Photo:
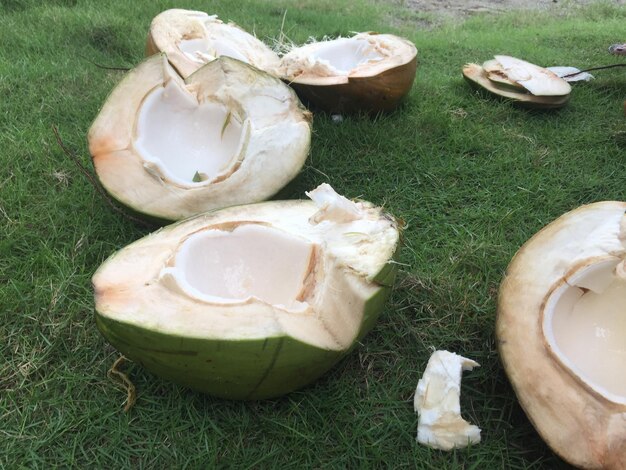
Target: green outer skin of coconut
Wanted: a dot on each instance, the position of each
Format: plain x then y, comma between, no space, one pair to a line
476,76
240,370
379,93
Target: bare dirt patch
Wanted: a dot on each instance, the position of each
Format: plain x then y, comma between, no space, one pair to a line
463,8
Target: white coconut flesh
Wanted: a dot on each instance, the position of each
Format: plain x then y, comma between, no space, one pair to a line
296,268
229,134
193,38
187,141
437,401
344,55
250,262
589,309
203,50
334,61
496,74
537,80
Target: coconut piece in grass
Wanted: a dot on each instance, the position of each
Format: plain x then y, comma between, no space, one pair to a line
537,80
437,402
367,72
251,301
477,76
561,329
496,74
170,148
192,38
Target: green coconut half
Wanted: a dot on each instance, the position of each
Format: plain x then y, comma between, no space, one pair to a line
499,86
170,148
561,329
251,301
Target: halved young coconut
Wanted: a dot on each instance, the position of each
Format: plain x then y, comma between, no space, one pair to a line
193,38
367,72
561,331
251,301
171,148
524,83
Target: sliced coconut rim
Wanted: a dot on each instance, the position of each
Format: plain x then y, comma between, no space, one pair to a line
335,61
330,267
581,420
172,118
193,38
588,308
477,75
265,129
537,80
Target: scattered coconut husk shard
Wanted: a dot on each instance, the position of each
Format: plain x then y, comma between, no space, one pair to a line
171,148
437,402
561,333
251,301
524,83
368,72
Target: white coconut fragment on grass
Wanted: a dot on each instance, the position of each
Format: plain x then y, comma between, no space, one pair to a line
521,82
437,402
571,74
537,80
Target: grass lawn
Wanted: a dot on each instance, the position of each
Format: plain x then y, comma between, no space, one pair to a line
473,177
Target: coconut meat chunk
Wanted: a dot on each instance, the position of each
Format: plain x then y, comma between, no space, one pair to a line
588,309
437,402
355,232
184,140
537,80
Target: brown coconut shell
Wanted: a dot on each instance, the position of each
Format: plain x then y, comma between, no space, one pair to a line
478,77
372,87
383,92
